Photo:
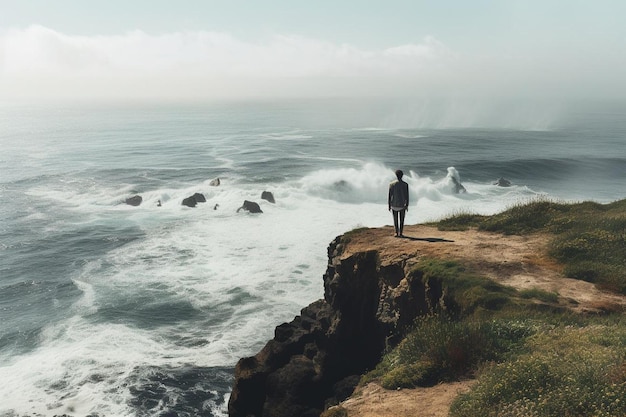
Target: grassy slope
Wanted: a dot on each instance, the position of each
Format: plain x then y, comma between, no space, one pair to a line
528,361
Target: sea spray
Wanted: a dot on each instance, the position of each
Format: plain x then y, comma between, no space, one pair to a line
120,310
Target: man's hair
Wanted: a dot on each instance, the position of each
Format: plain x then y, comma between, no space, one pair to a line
399,173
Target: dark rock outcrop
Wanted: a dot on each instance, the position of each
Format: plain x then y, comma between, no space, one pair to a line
189,202
267,195
502,182
250,206
458,187
134,200
193,200
315,360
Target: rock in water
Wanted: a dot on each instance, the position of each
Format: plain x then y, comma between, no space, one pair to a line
250,206
458,187
199,198
193,200
134,200
266,195
215,182
190,202
503,182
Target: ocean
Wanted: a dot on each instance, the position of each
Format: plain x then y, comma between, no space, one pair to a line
108,309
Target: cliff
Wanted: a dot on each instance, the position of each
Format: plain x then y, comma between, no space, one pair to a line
372,293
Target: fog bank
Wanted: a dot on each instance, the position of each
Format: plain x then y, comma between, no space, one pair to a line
40,63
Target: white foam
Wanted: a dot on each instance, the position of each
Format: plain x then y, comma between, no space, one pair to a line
252,271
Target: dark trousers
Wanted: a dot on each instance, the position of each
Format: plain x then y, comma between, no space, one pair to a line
398,221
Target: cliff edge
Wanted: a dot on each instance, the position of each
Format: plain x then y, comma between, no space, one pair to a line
372,294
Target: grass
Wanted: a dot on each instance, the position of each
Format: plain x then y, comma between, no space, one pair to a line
441,349
588,238
567,371
527,361
465,293
539,294
470,325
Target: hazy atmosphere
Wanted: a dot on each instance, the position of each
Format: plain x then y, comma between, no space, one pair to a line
239,49
172,173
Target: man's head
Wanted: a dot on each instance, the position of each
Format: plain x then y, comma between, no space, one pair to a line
399,174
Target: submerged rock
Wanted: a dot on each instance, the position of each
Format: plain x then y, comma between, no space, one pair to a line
502,182
134,200
215,182
458,187
455,179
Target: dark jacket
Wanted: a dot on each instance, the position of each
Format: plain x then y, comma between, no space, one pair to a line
398,194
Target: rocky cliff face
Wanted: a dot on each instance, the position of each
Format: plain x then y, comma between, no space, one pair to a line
316,360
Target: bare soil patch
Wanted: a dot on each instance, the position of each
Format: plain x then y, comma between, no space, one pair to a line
375,401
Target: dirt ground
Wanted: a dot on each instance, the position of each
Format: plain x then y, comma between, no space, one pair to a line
518,261
375,401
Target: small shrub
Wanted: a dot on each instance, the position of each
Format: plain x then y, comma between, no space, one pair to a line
407,375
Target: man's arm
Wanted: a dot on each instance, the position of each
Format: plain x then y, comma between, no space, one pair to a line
406,189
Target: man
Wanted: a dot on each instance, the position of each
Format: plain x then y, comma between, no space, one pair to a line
398,202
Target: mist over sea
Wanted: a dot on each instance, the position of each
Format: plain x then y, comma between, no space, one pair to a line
112,310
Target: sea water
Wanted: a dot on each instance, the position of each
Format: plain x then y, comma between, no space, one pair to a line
108,309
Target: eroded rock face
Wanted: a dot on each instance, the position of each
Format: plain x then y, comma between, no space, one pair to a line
314,361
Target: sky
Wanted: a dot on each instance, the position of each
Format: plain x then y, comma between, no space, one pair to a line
209,49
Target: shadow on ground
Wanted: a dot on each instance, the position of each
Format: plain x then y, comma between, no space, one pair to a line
427,239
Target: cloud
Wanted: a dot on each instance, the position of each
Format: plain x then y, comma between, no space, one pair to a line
200,62
40,62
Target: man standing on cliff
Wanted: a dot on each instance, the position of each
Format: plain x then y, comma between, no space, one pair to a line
398,202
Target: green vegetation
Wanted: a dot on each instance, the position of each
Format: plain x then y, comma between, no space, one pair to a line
589,238
545,296
441,349
528,361
466,292
567,371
